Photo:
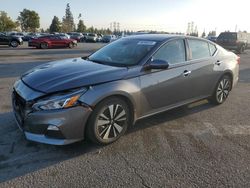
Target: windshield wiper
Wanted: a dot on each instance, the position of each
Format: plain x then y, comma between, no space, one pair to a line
96,61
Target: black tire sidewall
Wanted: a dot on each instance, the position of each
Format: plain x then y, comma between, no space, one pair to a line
12,45
91,130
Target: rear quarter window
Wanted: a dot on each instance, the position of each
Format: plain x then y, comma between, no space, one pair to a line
212,48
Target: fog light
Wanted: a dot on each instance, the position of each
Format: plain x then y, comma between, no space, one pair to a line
52,128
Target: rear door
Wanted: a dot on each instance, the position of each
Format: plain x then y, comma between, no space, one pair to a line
203,62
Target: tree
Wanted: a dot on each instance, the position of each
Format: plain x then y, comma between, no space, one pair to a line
6,23
29,20
81,27
203,34
212,33
55,25
68,20
91,29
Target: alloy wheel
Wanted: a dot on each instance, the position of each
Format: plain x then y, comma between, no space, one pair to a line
223,90
110,122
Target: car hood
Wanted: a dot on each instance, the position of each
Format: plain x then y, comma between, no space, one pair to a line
70,73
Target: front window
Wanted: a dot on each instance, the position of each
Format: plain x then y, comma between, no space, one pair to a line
124,52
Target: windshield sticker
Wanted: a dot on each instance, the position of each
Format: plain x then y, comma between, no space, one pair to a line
151,43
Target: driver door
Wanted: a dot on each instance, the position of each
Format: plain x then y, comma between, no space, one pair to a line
163,88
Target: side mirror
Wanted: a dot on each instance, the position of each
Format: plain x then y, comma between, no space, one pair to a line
157,64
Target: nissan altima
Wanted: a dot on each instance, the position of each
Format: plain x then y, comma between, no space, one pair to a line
98,97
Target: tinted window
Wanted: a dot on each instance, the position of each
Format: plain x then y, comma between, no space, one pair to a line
212,49
172,52
228,35
199,49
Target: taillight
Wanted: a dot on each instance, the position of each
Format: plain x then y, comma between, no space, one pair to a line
238,59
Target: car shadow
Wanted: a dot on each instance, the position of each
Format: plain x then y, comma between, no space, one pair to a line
172,114
19,156
244,76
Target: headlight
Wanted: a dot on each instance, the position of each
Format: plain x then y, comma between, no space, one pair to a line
59,101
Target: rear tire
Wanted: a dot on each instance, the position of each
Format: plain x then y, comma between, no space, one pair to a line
44,45
108,121
222,90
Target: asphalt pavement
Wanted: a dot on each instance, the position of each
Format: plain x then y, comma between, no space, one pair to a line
198,145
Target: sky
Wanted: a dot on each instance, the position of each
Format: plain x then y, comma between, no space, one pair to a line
160,15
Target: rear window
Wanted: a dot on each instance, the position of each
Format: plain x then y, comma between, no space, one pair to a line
199,49
232,36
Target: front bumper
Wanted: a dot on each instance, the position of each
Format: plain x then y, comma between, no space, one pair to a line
56,127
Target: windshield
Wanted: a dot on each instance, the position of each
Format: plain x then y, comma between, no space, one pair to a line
124,52
107,37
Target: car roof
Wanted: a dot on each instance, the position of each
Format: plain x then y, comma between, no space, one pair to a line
155,37
162,37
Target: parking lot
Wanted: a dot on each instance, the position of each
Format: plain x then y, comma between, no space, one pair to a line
199,145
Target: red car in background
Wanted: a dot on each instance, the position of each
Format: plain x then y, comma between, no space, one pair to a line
52,41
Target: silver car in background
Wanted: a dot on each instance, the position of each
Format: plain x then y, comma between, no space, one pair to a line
99,96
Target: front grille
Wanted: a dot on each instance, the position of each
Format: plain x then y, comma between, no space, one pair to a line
19,106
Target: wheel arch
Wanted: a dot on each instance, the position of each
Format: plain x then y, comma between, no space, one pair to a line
230,74
226,72
125,97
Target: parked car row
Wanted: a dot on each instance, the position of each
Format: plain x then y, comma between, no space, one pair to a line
46,40
91,37
238,41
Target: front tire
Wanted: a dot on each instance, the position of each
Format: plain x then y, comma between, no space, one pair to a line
71,45
222,90
14,44
108,121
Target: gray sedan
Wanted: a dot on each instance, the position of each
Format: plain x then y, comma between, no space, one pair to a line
99,96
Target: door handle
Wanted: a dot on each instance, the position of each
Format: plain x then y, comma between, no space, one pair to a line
186,73
218,62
